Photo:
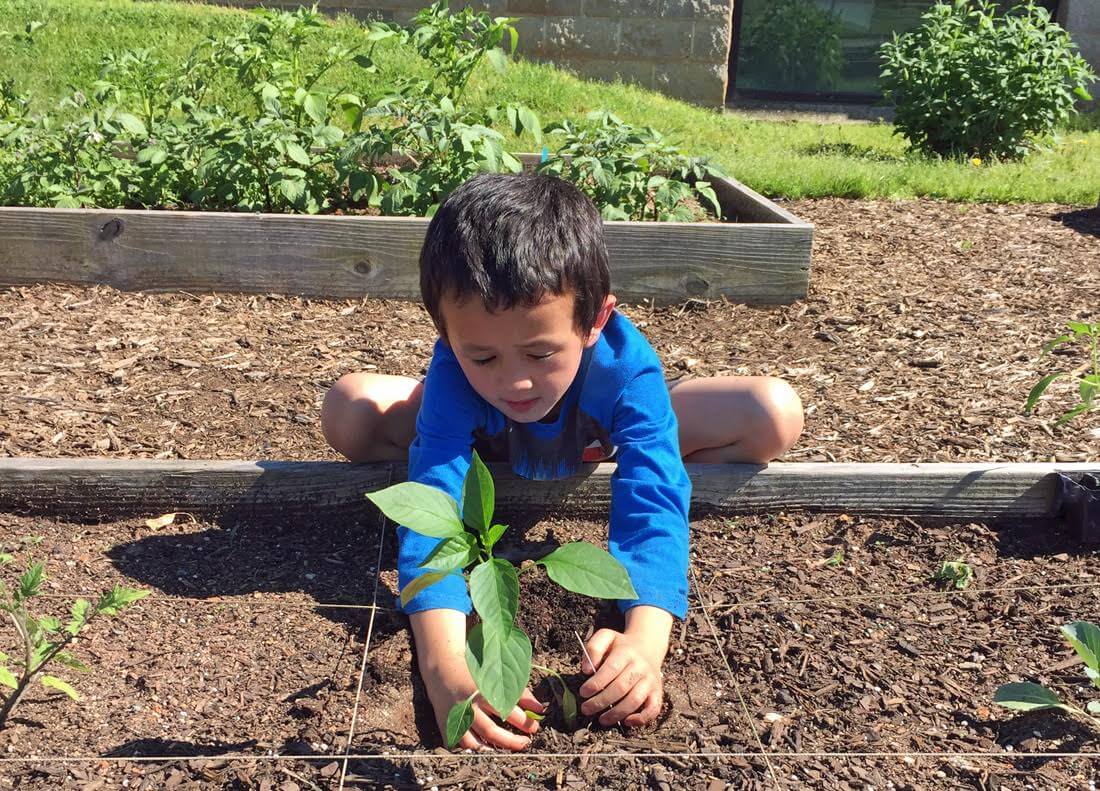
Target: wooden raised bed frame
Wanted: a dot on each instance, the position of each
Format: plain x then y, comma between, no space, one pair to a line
763,257
105,489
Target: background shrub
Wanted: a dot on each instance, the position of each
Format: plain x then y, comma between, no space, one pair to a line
969,82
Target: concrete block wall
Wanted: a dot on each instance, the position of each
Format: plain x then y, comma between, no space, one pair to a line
679,47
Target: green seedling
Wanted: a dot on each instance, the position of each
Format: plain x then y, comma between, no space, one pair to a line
1088,383
1084,637
43,637
498,653
837,558
955,573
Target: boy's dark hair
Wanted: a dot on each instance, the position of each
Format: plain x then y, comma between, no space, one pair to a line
512,240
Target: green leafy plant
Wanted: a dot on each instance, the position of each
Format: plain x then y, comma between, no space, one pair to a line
498,653
970,82
44,639
1087,378
631,172
454,43
792,44
1084,637
955,574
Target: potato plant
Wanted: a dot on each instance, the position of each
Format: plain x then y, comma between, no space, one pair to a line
498,653
1084,637
44,639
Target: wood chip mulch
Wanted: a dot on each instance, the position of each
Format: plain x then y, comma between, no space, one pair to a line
919,341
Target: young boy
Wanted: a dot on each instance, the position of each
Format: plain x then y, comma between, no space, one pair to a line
534,366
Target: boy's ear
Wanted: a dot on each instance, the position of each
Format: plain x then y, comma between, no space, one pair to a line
602,317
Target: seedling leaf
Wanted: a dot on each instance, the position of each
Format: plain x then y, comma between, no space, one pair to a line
70,661
500,662
425,580
7,678
79,613
494,590
567,700
1093,707
53,682
117,599
478,496
534,715
1038,390
1025,696
419,507
459,720
493,536
30,582
456,552
588,570
1085,639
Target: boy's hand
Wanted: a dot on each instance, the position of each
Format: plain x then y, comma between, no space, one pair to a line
627,685
451,687
441,655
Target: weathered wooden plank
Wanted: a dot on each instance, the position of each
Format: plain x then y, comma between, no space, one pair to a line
108,489
351,257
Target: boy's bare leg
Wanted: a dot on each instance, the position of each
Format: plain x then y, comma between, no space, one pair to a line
736,418
371,417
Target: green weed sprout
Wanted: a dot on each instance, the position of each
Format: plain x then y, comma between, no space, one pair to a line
498,653
1084,637
1088,384
44,639
956,573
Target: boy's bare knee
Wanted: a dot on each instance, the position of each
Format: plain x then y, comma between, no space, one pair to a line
781,404
356,409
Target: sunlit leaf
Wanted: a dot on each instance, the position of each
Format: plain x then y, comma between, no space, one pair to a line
456,552
500,662
7,678
589,570
459,720
423,509
1025,696
425,580
53,682
478,496
1085,639
494,591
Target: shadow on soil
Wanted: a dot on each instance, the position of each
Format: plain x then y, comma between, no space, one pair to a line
1084,221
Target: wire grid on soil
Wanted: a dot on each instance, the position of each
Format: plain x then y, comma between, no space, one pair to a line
882,585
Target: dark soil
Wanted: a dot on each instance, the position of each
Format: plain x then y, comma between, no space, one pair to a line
919,342
791,649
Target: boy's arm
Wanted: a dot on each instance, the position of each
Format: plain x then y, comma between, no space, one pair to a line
650,493
439,457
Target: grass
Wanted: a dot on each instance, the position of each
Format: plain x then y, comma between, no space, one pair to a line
780,159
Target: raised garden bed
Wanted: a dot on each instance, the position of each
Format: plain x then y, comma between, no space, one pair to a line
789,669
760,254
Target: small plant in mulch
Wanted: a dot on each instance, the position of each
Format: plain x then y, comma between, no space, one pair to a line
498,653
1084,637
44,639
1087,377
957,574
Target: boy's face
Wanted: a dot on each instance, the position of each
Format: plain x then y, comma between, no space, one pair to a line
520,360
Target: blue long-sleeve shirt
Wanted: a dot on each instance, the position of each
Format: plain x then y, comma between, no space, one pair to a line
618,398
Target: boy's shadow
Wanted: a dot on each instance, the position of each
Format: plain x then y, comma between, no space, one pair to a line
330,558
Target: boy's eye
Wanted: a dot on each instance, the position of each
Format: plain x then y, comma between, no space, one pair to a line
484,360
541,356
